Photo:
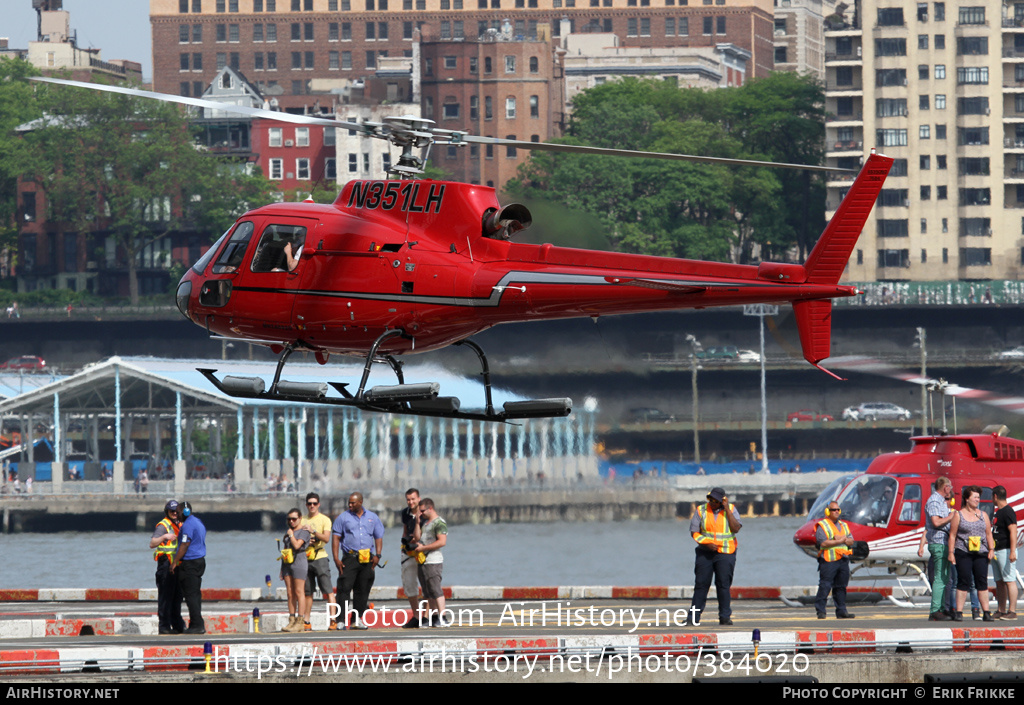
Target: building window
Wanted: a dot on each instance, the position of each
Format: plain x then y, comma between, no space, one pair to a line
972,15
922,102
924,132
894,258
510,150
975,256
926,193
940,72
534,106
302,169
510,64
892,137
708,25
276,169
890,16
971,75
450,111
510,108
940,101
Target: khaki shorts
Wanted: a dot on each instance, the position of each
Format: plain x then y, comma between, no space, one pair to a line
430,580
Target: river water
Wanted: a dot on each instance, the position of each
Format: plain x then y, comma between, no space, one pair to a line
613,553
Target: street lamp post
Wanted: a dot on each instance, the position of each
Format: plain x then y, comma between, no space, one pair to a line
762,310
696,348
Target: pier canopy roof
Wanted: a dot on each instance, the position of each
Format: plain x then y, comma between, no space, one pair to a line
95,389
152,385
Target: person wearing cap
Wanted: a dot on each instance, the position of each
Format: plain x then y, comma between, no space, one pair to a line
164,543
190,564
714,527
835,546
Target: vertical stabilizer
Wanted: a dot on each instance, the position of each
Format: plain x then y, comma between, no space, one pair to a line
828,259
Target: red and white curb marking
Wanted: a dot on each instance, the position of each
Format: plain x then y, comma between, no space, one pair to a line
457,592
290,655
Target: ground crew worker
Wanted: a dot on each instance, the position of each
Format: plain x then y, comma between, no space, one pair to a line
834,550
164,543
714,527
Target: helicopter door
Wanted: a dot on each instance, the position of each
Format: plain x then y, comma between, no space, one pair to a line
275,269
910,505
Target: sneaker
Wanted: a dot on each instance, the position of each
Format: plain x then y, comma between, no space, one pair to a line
1009,616
821,615
306,626
435,621
998,614
413,623
938,617
195,630
958,616
357,624
725,622
976,614
988,617
844,615
333,626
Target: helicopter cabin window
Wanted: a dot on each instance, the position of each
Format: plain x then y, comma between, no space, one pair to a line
234,252
910,508
279,249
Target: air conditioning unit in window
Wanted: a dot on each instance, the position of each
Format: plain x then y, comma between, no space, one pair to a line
289,143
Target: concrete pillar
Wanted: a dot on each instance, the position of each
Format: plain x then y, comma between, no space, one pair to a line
140,521
332,469
257,474
243,477
273,468
57,477
180,469
120,484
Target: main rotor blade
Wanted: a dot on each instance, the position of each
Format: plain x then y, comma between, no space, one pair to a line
214,105
577,149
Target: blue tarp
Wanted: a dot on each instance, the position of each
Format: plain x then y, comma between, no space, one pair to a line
626,470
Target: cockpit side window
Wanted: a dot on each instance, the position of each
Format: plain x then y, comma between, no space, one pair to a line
234,252
200,266
279,249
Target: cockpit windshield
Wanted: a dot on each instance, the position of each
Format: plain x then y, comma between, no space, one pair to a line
827,495
869,500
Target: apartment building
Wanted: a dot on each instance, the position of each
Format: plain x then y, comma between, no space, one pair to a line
800,35
940,88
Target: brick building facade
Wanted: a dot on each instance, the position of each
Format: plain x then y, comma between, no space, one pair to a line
293,48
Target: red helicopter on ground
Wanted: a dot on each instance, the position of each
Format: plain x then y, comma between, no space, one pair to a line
404,265
885,506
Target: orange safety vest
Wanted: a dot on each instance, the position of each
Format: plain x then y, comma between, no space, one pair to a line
715,531
169,546
837,552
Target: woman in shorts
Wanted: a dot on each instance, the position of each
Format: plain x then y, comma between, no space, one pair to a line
294,572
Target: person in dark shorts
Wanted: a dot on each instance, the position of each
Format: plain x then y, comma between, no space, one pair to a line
294,568
318,525
432,536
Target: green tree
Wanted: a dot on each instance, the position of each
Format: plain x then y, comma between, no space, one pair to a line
689,209
17,106
130,166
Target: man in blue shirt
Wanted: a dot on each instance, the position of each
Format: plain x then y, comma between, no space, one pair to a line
190,564
357,538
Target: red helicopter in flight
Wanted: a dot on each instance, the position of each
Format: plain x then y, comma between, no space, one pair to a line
885,505
408,265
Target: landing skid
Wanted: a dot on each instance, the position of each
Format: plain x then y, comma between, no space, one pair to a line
907,575
420,399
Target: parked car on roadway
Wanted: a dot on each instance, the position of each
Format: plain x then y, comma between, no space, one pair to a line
28,363
721,352
646,415
1016,353
747,356
807,415
876,411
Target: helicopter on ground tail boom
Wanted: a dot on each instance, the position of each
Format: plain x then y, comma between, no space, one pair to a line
401,266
